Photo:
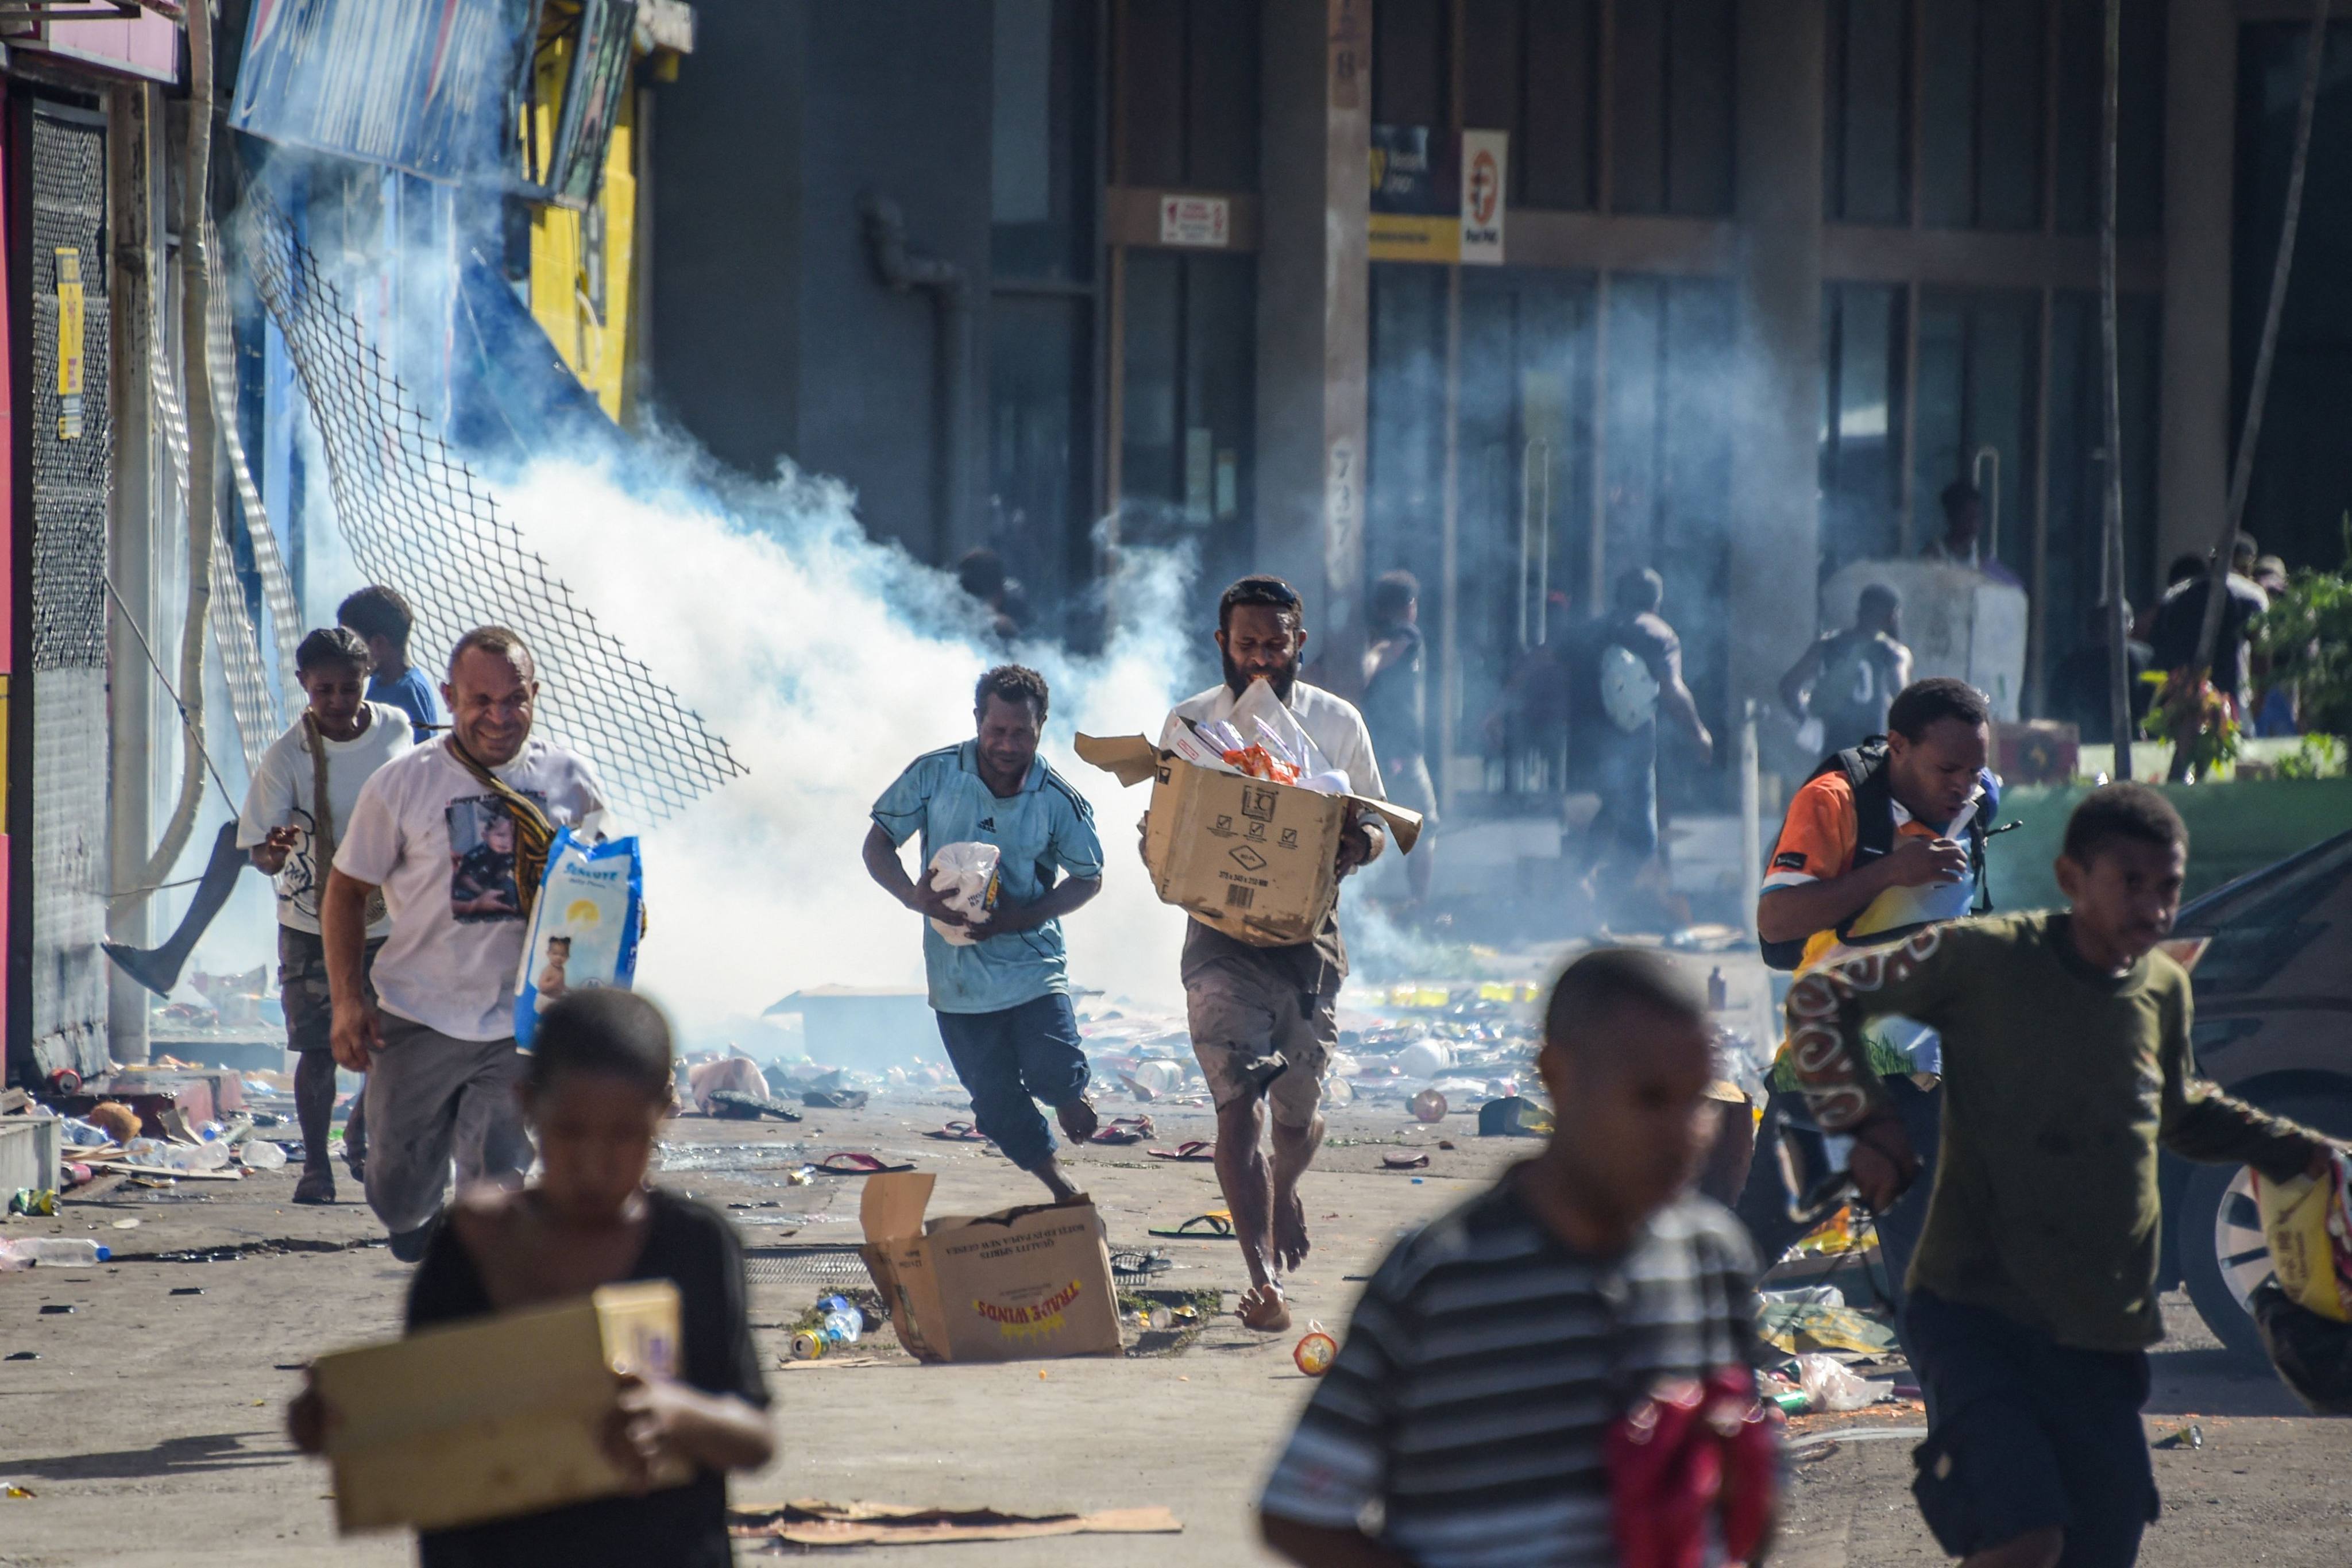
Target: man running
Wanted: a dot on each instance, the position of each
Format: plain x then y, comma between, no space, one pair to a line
1003,994
1261,1018
1845,681
1632,679
437,1042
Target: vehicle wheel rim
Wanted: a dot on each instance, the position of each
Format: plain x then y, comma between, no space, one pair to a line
2239,1247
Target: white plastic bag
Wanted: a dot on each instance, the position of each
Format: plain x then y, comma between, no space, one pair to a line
1830,1384
1261,716
966,873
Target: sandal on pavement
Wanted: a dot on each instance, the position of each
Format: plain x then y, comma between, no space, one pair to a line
959,1132
1192,1149
315,1187
850,1163
1217,1224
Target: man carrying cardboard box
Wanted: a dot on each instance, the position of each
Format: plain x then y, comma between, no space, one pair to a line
999,984
1263,1018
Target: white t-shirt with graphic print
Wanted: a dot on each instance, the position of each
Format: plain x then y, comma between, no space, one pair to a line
282,796
441,846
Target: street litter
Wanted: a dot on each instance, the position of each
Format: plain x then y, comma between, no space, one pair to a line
2189,1437
1831,1386
1316,1350
1817,1319
811,1523
494,1417
50,1252
1010,1286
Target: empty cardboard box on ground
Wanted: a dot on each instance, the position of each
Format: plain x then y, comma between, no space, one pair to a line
1018,1285
1253,858
493,1419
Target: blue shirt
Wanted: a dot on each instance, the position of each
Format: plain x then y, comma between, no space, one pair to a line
1047,826
413,695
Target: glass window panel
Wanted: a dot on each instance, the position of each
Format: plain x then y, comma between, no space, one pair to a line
1152,88
1695,485
1699,91
2139,115
1556,163
1939,424
1629,415
1492,60
2082,70
1858,481
1223,118
1021,125
1151,403
1409,62
2012,41
2003,330
1043,137
1638,74
1039,458
1873,148
1948,116
1220,408
2139,330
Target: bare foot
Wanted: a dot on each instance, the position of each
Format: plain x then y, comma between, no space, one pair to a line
1290,1243
1262,1307
1078,1119
1057,1182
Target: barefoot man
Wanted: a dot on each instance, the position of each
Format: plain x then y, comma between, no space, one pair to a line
1261,1018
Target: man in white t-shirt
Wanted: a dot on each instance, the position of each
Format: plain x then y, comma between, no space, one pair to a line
1263,1018
438,833
342,739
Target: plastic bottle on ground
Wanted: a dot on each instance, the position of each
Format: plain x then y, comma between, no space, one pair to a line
261,1154
155,1153
55,1251
843,1322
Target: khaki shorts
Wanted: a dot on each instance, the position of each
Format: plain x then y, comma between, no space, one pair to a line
1241,1010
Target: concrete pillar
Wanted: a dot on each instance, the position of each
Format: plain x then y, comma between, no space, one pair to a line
1313,307
2199,150
1776,520
134,195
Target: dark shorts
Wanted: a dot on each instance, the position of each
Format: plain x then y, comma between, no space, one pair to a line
302,987
2028,1435
1008,1061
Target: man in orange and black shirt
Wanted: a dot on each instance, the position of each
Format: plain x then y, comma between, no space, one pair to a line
1881,840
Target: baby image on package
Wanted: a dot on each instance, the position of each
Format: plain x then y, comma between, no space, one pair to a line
585,926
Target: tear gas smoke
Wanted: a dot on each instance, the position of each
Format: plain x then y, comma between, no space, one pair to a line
829,662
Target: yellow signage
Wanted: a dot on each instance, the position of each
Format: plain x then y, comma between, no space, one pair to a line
69,345
1407,237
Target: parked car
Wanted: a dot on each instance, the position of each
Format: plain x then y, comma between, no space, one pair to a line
2272,965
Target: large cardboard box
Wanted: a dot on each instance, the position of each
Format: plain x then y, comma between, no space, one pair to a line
1018,1285
1254,860
492,1418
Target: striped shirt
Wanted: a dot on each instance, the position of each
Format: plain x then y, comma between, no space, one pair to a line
1464,1419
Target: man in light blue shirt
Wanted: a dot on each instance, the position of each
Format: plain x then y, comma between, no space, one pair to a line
1003,999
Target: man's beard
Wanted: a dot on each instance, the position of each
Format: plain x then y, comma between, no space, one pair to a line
1282,681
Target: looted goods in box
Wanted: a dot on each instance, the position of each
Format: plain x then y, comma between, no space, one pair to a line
1253,858
1018,1285
492,1418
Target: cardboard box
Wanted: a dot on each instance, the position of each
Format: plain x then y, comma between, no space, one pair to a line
1019,1285
494,1417
1256,860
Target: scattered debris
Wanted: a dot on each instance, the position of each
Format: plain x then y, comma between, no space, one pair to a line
811,1523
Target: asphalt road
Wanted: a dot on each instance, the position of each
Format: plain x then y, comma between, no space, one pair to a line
149,1427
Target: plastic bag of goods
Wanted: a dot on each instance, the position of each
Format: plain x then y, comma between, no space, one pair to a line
584,927
1830,1384
2309,1224
967,874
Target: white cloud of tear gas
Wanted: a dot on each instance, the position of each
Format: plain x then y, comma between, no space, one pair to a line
829,662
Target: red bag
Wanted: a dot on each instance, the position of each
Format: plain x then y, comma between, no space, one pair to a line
1689,1451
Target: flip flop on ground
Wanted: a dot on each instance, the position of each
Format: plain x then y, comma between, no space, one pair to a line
1217,1224
959,1132
1191,1149
851,1164
1398,1160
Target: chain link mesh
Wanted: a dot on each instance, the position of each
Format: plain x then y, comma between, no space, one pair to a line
418,519
73,436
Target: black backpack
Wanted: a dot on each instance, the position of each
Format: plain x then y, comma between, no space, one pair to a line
1865,770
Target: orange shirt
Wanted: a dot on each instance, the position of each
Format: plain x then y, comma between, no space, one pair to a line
1817,842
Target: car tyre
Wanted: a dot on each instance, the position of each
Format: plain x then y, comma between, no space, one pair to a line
2223,1253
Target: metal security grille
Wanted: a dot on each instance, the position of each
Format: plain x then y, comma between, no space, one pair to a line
417,518
73,433
73,437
